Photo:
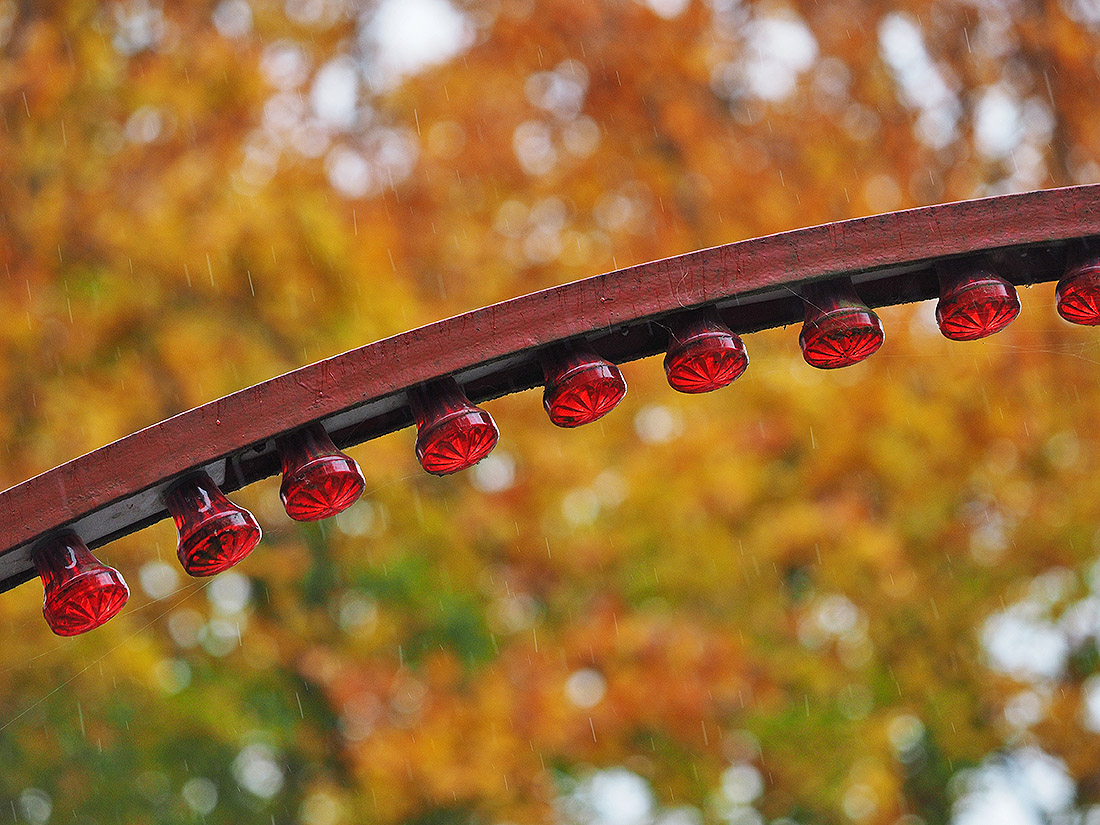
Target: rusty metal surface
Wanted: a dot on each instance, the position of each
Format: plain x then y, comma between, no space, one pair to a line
492,351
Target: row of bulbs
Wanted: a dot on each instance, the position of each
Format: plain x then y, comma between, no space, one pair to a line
703,355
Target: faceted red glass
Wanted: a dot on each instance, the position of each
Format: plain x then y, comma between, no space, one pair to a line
839,329
81,592
214,533
1078,294
451,433
319,481
703,354
974,304
581,387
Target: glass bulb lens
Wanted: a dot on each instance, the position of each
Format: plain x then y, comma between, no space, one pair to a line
214,533
81,593
319,481
580,387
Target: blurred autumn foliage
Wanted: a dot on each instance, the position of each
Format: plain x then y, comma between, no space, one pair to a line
864,596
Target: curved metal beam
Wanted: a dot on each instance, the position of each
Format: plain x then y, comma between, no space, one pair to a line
492,351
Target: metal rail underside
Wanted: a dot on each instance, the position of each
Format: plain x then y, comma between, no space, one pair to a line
362,394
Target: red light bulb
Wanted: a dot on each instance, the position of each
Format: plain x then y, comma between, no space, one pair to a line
839,329
703,354
81,592
1078,294
319,481
214,533
974,303
581,387
451,433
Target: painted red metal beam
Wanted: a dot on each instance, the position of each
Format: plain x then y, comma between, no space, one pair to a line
493,351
